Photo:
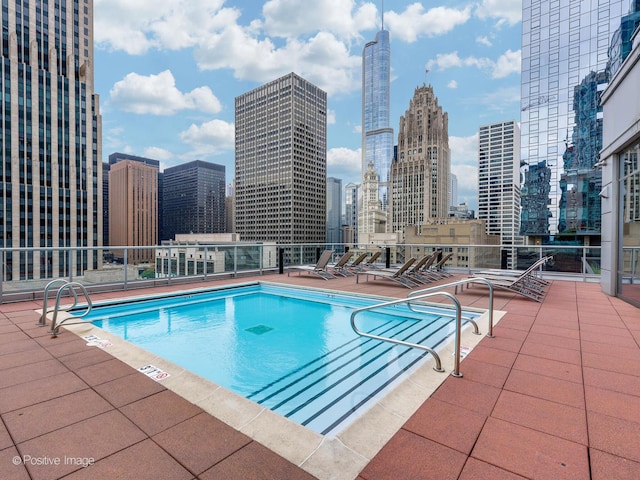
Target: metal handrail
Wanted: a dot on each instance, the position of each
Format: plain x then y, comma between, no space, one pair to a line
438,366
43,318
464,281
55,327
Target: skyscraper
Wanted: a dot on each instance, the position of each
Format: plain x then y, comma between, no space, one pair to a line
377,134
281,162
351,191
419,179
50,138
565,47
193,199
334,210
133,208
453,190
499,183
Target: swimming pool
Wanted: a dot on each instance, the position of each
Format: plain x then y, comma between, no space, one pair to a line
288,349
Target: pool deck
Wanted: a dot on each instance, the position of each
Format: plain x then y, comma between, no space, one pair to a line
555,395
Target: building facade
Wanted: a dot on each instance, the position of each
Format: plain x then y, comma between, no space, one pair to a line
467,240
351,192
193,199
334,210
281,162
370,210
620,193
419,176
453,190
133,209
50,139
499,183
565,46
377,134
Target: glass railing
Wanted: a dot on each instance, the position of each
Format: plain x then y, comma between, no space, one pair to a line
28,270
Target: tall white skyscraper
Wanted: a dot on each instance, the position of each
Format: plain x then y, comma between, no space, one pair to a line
281,162
50,139
499,182
453,190
334,210
351,192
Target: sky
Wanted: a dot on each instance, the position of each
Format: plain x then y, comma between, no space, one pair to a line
168,71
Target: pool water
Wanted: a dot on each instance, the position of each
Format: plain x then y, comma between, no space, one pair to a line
291,350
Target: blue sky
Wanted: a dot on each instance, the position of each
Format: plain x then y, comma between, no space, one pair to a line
167,71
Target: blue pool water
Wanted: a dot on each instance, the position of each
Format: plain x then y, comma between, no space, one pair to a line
291,350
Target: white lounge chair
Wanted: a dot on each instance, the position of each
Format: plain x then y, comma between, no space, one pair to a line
319,269
397,275
526,284
340,267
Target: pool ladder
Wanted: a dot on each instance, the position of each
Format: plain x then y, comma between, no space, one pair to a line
426,293
65,285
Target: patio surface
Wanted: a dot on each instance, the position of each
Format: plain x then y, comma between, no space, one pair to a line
555,395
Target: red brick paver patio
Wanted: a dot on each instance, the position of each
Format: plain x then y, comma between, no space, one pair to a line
555,395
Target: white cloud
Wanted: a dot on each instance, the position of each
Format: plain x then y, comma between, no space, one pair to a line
331,116
357,129
158,153
484,41
138,26
210,138
291,18
505,11
452,84
323,59
507,64
158,95
220,42
414,22
345,163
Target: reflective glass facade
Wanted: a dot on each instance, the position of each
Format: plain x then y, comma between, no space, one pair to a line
193,199
50,167
565,46
377,134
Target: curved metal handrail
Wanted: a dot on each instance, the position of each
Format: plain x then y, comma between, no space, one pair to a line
464,282
43,318
55,327
438,366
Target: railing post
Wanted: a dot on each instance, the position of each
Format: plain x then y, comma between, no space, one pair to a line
125,261
169,265
70,264
235,262
206,261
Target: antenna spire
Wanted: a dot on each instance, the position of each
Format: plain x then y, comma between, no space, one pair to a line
382,15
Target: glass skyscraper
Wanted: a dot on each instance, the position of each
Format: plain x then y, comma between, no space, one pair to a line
565,46
377,134
50,139
193,199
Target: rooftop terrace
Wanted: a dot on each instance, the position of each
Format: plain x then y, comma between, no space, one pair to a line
556,394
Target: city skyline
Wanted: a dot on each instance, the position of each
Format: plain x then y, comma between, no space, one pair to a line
170,97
